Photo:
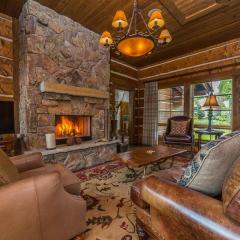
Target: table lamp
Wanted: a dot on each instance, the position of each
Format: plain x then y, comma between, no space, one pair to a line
210,103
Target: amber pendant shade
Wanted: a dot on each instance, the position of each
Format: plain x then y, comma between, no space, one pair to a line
106,38
165,37
120,20
156,20
135,46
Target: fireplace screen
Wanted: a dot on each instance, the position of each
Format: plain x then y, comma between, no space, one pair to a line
67,126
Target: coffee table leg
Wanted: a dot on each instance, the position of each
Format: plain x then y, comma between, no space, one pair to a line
137,175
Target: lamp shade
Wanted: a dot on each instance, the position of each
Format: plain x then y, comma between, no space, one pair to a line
211,102
156,20
106,38
164,37
135,46
120,20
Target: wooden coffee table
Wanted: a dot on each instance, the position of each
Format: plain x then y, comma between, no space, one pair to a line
145,156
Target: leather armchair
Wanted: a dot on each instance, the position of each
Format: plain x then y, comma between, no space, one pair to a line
179,140
44,204
172,212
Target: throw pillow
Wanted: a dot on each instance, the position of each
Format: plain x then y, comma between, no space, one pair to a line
207,171
179,128
231,192
8,172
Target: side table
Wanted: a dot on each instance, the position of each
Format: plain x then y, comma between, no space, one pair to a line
212,132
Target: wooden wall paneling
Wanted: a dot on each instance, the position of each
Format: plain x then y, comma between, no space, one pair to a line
218,55
6,68
6,56
219,73
6,86
124,69
6,49
16,87
5,28
123,83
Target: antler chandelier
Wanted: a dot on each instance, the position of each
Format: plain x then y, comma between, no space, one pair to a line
135,43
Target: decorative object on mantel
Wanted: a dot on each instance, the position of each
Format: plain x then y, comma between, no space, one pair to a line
135,43
72,90
50,141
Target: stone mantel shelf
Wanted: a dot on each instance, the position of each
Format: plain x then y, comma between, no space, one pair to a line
72,90
65,149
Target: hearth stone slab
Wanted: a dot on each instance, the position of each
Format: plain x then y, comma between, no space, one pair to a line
81,156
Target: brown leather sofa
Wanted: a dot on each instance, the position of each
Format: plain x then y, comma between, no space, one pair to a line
44,204
167,211
188,139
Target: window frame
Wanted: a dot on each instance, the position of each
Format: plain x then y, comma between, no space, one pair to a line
170,100
230,110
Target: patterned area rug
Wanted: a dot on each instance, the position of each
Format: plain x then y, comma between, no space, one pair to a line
111,214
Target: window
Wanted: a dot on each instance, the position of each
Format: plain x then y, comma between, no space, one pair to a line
170,103
222,116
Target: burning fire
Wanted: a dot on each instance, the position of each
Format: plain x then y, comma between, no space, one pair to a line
67,127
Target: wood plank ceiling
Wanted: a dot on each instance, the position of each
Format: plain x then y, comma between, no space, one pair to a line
194,24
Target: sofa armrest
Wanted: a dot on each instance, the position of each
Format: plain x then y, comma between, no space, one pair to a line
190,209
39,206
27,162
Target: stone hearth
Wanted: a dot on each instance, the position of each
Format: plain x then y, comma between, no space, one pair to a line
81,156
57,50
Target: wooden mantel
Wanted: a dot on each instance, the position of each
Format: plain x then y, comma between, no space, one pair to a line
72,90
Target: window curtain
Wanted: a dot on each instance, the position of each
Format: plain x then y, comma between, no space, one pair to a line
150,114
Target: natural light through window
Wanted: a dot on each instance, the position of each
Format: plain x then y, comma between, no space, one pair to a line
222,116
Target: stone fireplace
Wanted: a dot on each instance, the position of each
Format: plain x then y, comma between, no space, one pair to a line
73,126
63,72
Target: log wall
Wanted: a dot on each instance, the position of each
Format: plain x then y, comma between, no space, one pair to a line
6,58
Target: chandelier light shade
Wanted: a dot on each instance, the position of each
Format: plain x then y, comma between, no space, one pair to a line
133,42
135,46
120,20
106,39
156,20
164,37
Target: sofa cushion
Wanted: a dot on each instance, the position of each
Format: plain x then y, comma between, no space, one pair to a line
207,171
70,181
179,128
231,192
8,172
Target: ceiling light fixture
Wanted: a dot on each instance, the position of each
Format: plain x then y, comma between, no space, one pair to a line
134,43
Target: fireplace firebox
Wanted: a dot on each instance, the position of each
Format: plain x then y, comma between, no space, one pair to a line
68,126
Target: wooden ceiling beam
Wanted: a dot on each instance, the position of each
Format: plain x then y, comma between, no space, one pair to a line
173,10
